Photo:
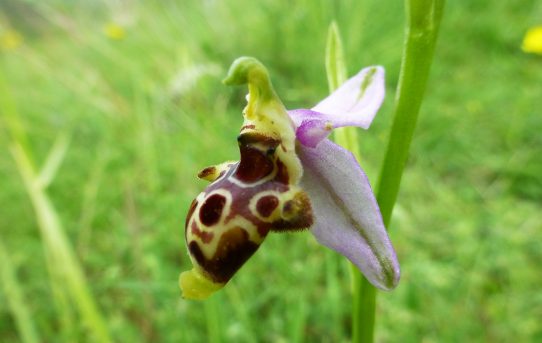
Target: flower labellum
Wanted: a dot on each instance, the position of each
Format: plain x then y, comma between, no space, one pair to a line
289,177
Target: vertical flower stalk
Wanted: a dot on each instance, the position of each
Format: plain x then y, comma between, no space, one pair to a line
423,22
421,32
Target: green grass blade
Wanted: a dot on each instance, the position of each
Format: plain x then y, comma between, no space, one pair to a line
335,62
212,316
14,296
54,237
65,312
336,73
54,160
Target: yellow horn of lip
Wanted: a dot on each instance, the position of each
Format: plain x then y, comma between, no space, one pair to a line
196,286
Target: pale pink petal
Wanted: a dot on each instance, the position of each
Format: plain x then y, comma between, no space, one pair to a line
357,101
347,217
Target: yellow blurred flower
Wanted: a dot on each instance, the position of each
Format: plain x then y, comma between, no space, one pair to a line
114,31
10,40
532,42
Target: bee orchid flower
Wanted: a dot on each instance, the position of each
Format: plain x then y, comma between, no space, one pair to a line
290,177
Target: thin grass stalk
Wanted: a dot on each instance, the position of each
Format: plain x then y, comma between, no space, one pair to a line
13,291
212,319
333,293
53,235
90,199
297,322
336,76
15,128
54,238
144,130
347,137
66,314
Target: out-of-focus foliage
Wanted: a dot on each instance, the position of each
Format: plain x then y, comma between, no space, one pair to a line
137,88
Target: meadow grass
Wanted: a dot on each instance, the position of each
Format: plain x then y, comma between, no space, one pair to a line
144,113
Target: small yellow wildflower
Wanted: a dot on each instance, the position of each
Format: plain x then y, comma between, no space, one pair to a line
532,42
114,31
10,40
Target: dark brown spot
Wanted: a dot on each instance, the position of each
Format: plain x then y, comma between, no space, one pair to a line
206,172
205,236
233,249
190,212
196,253
254,165
211,210
282,173
266,205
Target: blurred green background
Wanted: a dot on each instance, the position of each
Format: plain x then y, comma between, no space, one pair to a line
131,92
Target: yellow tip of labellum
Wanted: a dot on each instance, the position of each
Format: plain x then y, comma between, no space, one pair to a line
195,286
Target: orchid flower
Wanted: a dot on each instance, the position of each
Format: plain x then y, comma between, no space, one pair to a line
290,177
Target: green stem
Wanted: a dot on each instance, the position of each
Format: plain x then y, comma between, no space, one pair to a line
423,21
421,34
